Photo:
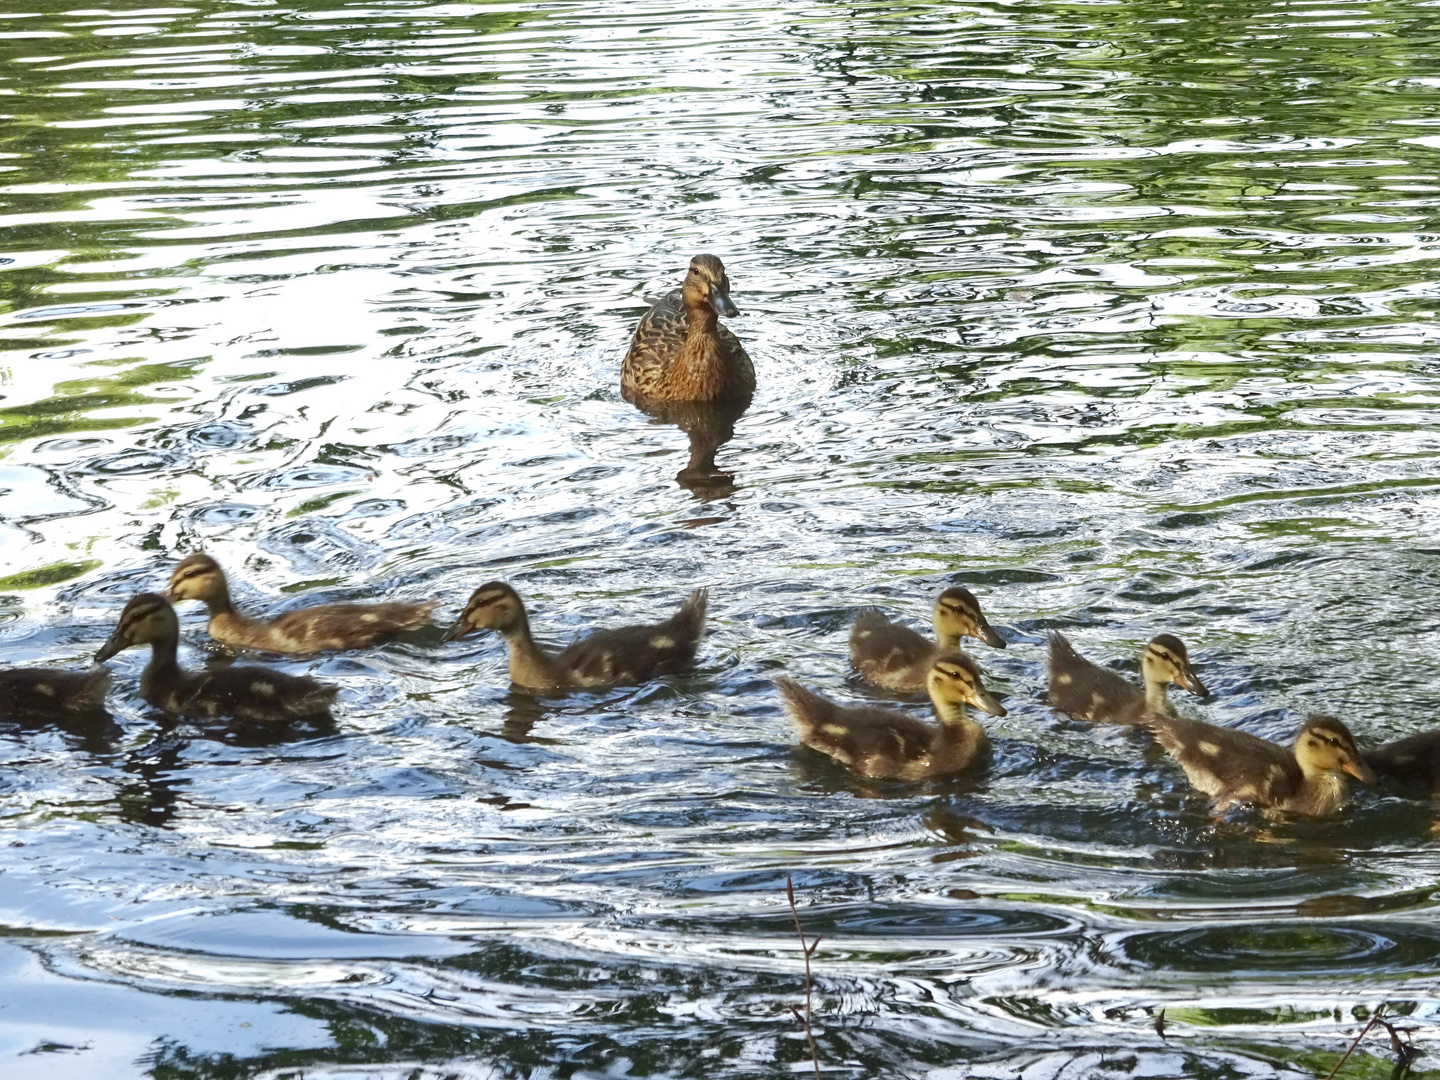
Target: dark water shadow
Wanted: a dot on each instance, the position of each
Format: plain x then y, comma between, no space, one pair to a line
708,426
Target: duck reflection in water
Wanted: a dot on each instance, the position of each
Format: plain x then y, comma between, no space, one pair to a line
684,368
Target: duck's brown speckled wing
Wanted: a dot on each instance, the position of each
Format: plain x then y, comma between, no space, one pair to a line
1233,766
1087,691
874,741
336,627
645,374
888,654
1412,762
40,692
631,654
255,693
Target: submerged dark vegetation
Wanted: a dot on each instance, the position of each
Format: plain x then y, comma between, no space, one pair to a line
1117,318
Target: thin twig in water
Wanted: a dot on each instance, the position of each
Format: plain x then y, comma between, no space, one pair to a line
1363,1032
808,951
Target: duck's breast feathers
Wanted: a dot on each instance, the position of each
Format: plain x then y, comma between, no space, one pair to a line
887,653
1231,765
631,654
39,692
715,368
1087,691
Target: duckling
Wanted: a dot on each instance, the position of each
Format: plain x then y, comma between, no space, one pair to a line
1412,762
621,657
1086,691
1236,767
245,693
322,628
680,352
39,693
891,745
897,658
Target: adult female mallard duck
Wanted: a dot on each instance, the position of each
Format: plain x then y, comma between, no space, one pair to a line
1087,691
621,657
1235,767
680,352
245,693
1412,762
897,658
40,693
322,628
891,745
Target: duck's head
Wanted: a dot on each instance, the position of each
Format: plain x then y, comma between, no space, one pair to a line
1324,744
706,283
197,577
493,606
954,680
146,618
958,615
1166,660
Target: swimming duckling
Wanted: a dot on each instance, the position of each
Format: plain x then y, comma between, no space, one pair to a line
887,744
897,658
1412,762
1086,691
245,693
1236,767
680,352
322,628
38,693
621,657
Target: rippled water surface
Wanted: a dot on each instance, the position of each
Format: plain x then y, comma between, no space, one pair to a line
1121,314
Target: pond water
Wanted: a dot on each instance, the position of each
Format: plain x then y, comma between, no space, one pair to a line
1122,314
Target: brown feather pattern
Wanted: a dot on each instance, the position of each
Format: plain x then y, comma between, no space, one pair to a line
242,693
319,628
1235,767
623,656
680,352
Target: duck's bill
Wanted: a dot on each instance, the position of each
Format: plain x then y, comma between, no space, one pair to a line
110,648
457,630
987,634
1360,771
983,700
1194,685
720,301
171,595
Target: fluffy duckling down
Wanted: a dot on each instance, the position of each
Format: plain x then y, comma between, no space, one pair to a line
1087,691
892,745
1235,767
243,693
620,657
320,628
895,657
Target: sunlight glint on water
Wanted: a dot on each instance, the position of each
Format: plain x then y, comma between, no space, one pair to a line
1122,315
